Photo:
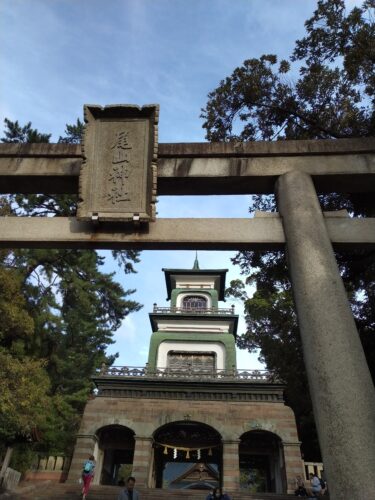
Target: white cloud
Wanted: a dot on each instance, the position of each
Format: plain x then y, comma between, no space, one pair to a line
127,330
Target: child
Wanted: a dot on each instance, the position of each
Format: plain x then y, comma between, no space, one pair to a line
87,475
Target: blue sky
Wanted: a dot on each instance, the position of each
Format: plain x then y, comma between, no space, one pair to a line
57,55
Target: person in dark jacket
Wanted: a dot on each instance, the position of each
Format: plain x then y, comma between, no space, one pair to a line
129,493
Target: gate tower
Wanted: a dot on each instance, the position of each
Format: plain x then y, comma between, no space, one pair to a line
190,418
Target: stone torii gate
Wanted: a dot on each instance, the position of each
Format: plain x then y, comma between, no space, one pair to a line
120,169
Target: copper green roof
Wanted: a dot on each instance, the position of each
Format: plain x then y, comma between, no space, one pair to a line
196,263
171,282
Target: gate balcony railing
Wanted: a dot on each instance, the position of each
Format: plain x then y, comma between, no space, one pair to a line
193,310
187,373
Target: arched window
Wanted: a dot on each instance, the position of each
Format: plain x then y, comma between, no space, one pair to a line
194,302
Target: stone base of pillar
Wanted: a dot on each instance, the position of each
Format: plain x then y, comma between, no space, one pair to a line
85,446
231,466
293,464
142,461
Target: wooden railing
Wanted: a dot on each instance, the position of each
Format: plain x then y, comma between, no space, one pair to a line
193,310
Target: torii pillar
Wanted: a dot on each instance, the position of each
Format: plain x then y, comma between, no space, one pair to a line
342,391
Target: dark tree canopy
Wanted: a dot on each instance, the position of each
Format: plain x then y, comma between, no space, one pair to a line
325,91
15,133
329,94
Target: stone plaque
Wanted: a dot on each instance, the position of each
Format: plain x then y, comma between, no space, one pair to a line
117,182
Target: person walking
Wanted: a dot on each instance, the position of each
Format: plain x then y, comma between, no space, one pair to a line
315,489
129,493
88,472
300,490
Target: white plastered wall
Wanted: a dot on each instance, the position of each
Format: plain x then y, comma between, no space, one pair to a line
166,325
198,281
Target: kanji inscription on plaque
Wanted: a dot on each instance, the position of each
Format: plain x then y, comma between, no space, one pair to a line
118,177
119,173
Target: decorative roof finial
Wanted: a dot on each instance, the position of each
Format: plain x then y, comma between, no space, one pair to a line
196,263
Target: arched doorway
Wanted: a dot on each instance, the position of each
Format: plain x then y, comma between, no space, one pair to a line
188,455
116,451
261,458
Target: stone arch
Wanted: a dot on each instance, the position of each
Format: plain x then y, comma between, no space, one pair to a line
93,427
266,426
167,418
115,452
262,463
196,444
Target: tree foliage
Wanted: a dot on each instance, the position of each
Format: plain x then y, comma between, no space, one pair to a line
59,309
24,399
14,132
262,99
24,383
324,91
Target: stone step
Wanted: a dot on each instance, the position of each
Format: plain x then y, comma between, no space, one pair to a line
72,492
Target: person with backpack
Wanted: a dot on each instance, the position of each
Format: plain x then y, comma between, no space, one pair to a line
323,484
87,475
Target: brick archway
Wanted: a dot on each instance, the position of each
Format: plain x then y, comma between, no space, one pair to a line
187,454
115,453
261,458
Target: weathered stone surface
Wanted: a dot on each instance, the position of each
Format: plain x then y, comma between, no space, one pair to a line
171,234
116,178
203,168
340,383
268,148
257,175
49,491
204,389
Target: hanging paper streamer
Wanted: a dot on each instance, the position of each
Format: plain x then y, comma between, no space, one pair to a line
187,450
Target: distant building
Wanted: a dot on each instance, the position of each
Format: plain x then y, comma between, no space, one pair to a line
190,418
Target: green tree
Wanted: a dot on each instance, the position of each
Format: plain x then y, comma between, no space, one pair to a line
16,323
15,133
24,383
24,399
73,133
73,305
325,91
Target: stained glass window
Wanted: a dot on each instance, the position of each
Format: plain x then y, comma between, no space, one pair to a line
193,302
